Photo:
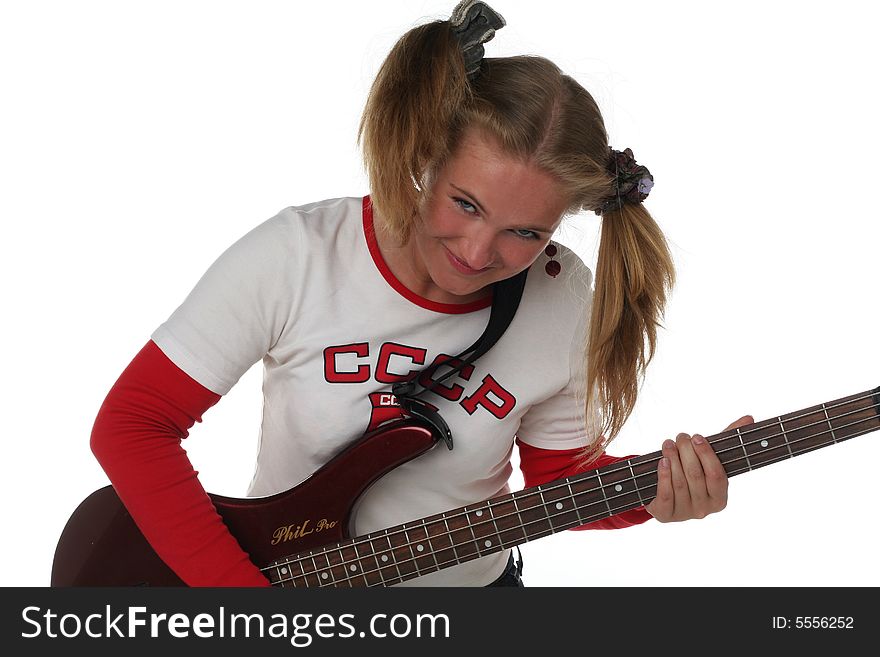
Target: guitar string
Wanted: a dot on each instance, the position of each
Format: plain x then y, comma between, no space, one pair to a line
548,518
507,544
613,468
651,473
498,502
404,546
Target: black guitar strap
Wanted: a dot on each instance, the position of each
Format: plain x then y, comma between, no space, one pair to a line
506,295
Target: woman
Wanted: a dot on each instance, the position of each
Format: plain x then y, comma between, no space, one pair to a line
473,163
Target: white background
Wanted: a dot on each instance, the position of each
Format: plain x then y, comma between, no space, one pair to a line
139,139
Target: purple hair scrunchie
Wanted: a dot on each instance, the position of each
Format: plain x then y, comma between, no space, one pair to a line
633,182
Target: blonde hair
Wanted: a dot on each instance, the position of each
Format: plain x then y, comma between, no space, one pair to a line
418,108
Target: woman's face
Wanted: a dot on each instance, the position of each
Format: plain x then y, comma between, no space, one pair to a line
488,218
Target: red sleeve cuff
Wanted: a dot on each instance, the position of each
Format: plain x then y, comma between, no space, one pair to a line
540,466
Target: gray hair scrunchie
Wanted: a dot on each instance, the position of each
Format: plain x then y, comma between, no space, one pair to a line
474,23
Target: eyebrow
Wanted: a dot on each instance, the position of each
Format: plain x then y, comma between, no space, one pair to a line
537,229
472,197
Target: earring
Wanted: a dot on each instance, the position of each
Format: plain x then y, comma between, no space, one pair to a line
553,267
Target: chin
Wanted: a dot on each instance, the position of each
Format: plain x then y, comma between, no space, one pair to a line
459,289
462,290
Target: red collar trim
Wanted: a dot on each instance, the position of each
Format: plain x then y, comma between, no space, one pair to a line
400,288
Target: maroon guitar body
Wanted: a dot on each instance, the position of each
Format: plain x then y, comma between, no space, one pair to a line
102,546
301,537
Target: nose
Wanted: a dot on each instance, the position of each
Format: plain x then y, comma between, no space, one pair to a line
478,248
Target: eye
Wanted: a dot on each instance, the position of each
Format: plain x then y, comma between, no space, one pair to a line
524,233
469,208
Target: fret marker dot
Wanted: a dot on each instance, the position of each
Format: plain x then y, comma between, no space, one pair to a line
559,505
618,488
284,571
353,568
420,548
324,575
764,443
488,543
478,513
384,557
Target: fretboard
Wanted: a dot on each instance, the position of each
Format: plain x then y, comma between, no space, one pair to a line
420,547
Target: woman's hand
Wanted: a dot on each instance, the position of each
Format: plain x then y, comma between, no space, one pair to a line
691,482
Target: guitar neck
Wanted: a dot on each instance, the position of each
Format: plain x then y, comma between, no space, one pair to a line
413,549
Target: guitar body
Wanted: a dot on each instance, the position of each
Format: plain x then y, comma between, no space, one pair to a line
102,546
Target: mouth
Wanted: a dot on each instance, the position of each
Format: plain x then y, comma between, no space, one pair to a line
461,266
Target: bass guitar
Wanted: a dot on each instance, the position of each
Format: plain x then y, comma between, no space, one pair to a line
301,537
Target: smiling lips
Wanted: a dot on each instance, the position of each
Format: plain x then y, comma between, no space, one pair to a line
461,266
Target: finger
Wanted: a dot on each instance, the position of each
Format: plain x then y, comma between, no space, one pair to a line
662,505
681,502
692,467
714,475
742,422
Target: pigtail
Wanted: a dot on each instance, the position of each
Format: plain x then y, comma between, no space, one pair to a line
634,274
410,119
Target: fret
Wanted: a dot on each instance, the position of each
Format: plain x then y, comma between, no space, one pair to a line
441,543
375,573
624,491
353,569
636,483
560,505
506,514
296,570
402,554
604,496
492,516
481,524
282,573
745,451
576,509
807,430
589,497
471,527
784,436
541,510
412,550
382,557
533,514
431,546
764,444
315,570
452,542
488,529
323,569
369,563
382,548
420,547
828,420
645,469
335,568
462,536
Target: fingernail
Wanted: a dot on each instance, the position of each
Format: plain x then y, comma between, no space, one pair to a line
668,444
698,439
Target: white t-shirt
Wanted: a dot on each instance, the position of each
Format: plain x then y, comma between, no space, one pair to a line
308,293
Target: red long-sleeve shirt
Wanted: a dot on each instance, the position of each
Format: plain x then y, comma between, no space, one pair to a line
137,440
